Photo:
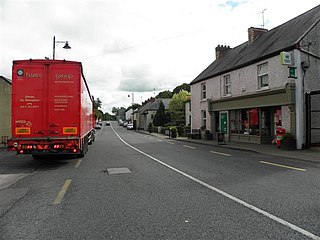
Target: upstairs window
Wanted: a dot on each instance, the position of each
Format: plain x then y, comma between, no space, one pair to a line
263,79
203,91
227,85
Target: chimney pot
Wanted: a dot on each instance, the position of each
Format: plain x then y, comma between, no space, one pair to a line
220,50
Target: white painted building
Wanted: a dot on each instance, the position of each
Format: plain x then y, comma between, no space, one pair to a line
246,92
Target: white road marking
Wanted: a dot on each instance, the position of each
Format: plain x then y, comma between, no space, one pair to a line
241,202
224,154
189,146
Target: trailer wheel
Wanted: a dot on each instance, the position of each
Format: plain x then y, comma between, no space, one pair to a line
85,147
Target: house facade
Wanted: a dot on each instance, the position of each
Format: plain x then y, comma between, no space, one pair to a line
148,110
5,110
252,90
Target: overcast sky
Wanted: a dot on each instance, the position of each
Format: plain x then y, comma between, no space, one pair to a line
134,46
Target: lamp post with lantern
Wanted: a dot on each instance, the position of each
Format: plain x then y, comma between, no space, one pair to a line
66,46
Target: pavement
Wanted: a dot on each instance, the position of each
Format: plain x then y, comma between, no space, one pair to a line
310,155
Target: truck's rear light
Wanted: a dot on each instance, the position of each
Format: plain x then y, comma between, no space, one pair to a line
69,145
58,146
21,151
75,150
15,144
28,146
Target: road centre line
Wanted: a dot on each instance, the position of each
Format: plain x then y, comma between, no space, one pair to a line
283,166
78,163
188,146
241,202
224,154
62,192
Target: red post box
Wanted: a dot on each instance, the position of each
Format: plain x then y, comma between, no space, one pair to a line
279,136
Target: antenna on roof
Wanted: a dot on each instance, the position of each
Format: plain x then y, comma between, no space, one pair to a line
262,13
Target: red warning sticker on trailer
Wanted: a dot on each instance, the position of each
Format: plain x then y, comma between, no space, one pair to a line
70,130
23,130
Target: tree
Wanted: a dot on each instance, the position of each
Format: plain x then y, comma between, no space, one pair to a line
134,106
164,94
184,86
108,117
161,117
97,104
115,110
177,107
98,114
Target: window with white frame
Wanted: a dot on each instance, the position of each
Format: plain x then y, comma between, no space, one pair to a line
227,85
203,118
263,79
203,91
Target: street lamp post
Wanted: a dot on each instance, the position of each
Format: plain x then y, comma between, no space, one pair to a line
66,46
134,125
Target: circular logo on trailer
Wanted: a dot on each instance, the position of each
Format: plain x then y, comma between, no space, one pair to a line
20,72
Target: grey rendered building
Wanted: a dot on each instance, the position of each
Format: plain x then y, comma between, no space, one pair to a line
248,92
5,109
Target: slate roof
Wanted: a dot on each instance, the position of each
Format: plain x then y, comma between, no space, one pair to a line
154,105
282,38
6,79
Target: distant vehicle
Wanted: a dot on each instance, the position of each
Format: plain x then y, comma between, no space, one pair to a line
120,122
130,126
125,124
97,126
107,123
52,108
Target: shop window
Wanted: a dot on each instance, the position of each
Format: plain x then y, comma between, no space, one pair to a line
249,121
244,121
234,121
204,118
254,121
265,122
263,79
227,85
203,91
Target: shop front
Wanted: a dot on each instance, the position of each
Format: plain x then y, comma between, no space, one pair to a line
254,118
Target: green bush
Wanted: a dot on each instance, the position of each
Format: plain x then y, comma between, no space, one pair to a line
288,136
174,130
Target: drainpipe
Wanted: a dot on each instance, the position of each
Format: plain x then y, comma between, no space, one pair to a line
299,99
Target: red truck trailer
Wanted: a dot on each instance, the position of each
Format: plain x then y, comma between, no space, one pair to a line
52,108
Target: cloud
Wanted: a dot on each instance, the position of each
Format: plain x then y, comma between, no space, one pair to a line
139,78
232,4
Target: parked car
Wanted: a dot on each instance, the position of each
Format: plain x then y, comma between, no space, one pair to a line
97,126
130,126
120,122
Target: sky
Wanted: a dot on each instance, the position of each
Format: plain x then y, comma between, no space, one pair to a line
138,47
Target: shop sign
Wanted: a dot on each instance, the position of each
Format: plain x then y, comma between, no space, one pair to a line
285,58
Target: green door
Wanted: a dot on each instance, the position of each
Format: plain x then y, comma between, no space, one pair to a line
224,122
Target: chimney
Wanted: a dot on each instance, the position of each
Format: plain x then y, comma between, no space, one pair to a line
253,33
220,50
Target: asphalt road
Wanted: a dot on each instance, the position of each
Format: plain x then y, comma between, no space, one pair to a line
135,186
